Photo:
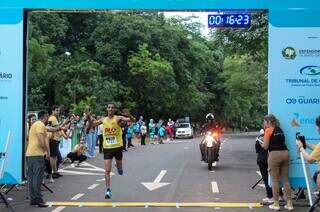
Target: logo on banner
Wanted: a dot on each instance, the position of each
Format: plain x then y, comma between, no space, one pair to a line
310,70
310,74
299,120
302,100
5,76
289,53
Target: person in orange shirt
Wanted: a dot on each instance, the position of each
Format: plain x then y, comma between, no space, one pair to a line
278,160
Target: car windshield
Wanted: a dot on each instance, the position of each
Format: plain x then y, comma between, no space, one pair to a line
183,125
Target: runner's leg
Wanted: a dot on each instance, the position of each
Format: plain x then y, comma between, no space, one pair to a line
107,164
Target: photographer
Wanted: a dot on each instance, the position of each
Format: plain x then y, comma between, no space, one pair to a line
262,161
315,154
278,160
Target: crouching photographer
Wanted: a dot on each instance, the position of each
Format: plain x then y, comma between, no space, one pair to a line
315,154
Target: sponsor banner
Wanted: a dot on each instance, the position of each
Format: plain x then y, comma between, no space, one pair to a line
294,85
11,82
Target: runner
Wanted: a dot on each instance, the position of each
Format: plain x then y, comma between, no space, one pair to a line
112,141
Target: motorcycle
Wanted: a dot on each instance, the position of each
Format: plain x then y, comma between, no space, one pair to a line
210,147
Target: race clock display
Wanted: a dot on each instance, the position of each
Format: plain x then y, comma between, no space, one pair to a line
229,20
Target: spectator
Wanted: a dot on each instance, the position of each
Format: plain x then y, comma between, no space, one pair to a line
89,135
124,126
100,138
315,154
262,161
35,153
151,131
78,153
162,133
143,132
54,140
170,128
278,160
129,134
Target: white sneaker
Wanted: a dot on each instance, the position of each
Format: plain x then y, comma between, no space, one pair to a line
274,207
51,180
289,208
267,200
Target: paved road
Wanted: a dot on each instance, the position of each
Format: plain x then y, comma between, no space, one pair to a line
177,163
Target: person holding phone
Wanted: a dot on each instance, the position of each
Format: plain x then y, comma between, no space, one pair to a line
315,154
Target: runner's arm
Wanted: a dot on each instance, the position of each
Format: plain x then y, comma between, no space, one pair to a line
95,123
126,119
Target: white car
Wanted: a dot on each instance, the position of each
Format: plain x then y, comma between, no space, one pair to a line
184,130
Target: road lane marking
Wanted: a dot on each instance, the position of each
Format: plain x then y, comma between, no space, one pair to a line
58,209
160,204
78,196
160,176
69,172
156,183
186,147
101,180
214,186
92,186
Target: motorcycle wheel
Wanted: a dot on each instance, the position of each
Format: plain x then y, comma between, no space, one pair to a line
210,158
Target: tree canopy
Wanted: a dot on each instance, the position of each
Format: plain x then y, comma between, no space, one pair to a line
155,66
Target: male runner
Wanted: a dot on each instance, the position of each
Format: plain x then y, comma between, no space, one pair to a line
112,141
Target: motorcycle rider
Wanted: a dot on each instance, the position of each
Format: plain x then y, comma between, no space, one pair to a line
212,126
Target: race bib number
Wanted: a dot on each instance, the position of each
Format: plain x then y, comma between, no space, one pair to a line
111,140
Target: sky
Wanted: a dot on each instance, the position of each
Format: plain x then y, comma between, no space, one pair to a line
203,18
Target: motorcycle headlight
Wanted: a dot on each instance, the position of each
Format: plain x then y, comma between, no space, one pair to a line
210,143
209,138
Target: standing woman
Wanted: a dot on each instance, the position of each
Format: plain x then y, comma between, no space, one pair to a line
278,160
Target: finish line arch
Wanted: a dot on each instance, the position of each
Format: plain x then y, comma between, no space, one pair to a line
293,72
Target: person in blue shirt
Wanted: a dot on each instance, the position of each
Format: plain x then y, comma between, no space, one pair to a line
152,127
162,133
129,135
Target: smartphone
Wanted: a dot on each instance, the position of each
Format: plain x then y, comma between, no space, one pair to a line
302,139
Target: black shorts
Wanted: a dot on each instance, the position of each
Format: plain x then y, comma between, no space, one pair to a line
108,154
54,148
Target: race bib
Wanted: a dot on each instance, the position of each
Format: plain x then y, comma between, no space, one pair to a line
111,140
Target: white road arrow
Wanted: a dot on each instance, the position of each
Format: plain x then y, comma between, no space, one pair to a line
156,183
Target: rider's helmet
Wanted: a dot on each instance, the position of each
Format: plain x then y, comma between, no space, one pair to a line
209,117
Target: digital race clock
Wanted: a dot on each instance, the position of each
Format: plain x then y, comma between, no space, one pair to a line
229,20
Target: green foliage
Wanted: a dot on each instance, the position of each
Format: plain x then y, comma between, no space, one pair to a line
156,67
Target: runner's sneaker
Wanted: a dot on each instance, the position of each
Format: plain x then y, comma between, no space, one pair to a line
120,170
108,194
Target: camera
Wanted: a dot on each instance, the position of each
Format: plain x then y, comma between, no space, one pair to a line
302,139
260,137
